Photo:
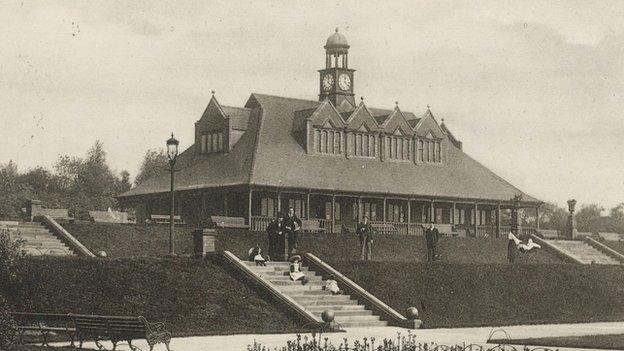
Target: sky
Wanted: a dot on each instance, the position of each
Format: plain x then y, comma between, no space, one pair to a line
535,90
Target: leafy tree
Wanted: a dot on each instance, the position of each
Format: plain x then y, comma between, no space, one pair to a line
7,325
124,183
154,163
14,194
589,218
553,216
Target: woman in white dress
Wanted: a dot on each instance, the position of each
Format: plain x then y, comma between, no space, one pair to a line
295,269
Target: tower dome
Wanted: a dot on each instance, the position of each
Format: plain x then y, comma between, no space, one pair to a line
336,44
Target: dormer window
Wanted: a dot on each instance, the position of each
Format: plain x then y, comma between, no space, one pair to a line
398,148
328,142
429,151
212,142
364,145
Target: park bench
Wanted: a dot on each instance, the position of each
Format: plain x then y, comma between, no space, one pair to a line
108,217
45,324
119,328
229,222
56,213
164,219
384,228
311,226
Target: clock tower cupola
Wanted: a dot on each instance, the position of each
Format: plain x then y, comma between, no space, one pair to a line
336,80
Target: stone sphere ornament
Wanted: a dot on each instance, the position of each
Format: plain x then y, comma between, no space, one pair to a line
412,313
327,316
102,254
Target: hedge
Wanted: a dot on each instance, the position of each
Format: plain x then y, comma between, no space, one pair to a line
494,294
190,296
152,240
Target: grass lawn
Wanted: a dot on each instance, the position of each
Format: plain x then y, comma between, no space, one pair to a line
615,245
494,294
152,241
191,297
607,342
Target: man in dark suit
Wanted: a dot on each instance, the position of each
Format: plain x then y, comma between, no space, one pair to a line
431,236
365,235
277,234
293,226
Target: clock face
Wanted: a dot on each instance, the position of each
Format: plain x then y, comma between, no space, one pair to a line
328,82
344,82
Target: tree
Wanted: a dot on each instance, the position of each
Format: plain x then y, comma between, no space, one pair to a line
124,183
589,218
14,194
154,163
553,216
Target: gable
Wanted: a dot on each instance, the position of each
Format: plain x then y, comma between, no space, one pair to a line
326,116
428,125
213,118
397,122
362,117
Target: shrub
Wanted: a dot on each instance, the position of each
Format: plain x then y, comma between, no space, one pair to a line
11,261
7,324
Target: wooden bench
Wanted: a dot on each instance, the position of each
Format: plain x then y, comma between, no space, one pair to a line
229,222
45,324
56,213
108,217
119,328
311,226
384,228
164,219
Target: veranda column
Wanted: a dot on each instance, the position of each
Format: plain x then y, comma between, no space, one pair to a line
279,201
498,220
453,214
359,209
409,215
537,224
225,204
308,205
474,218
249,207
384,209
333,213
431,213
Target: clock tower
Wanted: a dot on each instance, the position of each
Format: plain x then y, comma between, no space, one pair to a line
336,80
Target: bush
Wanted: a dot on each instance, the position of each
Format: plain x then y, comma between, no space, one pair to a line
11,262
7,325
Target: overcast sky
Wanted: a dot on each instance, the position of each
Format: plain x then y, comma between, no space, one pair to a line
533,89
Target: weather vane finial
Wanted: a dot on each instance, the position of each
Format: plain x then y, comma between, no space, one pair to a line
336,29
428,107
212,92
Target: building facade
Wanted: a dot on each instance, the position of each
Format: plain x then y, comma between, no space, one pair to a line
333,160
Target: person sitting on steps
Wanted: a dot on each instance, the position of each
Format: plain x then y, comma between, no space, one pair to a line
331,285
295,270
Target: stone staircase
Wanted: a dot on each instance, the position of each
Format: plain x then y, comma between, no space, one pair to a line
583,252
347,311
39,240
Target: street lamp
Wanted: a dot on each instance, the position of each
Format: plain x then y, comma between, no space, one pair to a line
172,154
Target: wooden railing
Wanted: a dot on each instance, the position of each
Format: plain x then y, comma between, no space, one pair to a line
259,223
402,228
325,224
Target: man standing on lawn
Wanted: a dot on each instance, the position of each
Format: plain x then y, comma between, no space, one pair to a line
431,236
365,234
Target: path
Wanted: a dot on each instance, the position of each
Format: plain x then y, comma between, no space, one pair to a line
441,336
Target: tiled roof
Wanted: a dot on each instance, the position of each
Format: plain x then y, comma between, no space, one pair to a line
239,116
269,155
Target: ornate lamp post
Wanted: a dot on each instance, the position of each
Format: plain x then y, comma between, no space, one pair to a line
172,154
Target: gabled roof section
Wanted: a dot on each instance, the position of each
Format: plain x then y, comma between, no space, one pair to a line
396,121
362,116
428,124
239,116
214,115
269,145
456,142
326,112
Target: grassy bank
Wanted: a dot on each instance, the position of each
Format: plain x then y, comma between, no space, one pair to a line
152,240
189,296
615,245
494,294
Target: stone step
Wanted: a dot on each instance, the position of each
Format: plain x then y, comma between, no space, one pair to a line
269,264
325,299
277,269
286,277
347,313
350,307
40,238
351,324
283,283
364,318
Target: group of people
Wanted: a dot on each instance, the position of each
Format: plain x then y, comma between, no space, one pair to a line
283,230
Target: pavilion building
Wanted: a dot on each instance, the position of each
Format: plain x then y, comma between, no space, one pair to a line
333,160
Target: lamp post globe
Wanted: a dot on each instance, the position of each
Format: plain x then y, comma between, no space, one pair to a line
172,154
